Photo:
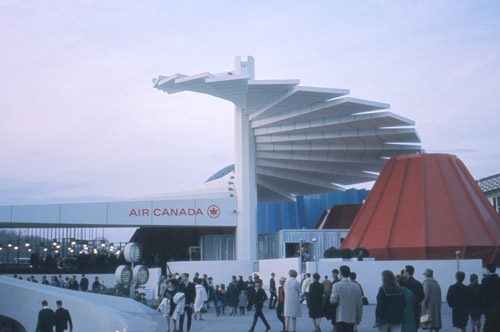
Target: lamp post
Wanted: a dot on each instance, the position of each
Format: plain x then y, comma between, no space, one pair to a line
301,242
458,263
316,258
16,248
9,245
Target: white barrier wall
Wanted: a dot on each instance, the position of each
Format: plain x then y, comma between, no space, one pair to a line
21,301
280,267
369,273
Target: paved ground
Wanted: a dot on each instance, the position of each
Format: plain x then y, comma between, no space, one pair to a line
212,323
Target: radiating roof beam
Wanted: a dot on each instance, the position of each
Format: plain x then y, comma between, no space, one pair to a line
366,134
339,122
167,84
320,157
298,96
298,177
276,189
346,105
334,146
324,169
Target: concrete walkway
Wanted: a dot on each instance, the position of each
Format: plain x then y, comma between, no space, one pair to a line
212,323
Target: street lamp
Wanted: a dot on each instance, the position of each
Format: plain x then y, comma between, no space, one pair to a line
458,264
9,245
313,240
301,242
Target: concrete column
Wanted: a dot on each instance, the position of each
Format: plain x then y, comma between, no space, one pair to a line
246,179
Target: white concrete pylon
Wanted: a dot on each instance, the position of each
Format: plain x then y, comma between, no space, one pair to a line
295,140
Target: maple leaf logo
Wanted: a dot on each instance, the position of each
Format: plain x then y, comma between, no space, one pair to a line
213,211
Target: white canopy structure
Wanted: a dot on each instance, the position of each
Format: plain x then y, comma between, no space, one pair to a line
296,140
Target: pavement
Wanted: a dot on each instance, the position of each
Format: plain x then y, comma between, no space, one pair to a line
212,323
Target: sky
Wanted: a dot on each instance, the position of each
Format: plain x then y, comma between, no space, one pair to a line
81,122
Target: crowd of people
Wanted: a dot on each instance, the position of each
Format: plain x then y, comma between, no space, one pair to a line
403,303
69,283
100,261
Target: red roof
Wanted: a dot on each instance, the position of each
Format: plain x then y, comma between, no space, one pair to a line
426,206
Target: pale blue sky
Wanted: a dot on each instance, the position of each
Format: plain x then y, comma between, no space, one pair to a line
80,121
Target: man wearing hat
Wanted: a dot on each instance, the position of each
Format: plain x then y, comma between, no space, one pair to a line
281,302
431,306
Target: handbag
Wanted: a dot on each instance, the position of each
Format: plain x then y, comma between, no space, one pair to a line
365,300
425,318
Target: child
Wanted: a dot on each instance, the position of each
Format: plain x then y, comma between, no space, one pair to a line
242,303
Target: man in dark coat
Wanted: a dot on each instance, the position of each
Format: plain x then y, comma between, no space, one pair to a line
272,290
315,301
250,291
46,318
418,290
62,318
96,285
475,311
489,292
189,291
459,299
73,284
259,298
330,309
84,283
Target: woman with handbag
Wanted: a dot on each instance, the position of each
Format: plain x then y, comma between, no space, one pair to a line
431,306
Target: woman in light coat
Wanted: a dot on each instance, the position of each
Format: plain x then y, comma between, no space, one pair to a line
292,300
201,297
167,305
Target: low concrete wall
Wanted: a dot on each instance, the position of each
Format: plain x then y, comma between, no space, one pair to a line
280,267
90,312
368,271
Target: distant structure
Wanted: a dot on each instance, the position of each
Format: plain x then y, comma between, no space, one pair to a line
338,217
491,187
426,206
292,142
296,140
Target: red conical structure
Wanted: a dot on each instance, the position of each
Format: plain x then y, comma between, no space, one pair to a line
426,206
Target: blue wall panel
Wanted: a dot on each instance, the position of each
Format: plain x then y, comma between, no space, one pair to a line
305,212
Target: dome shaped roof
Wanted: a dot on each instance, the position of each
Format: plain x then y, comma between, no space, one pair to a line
426,206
